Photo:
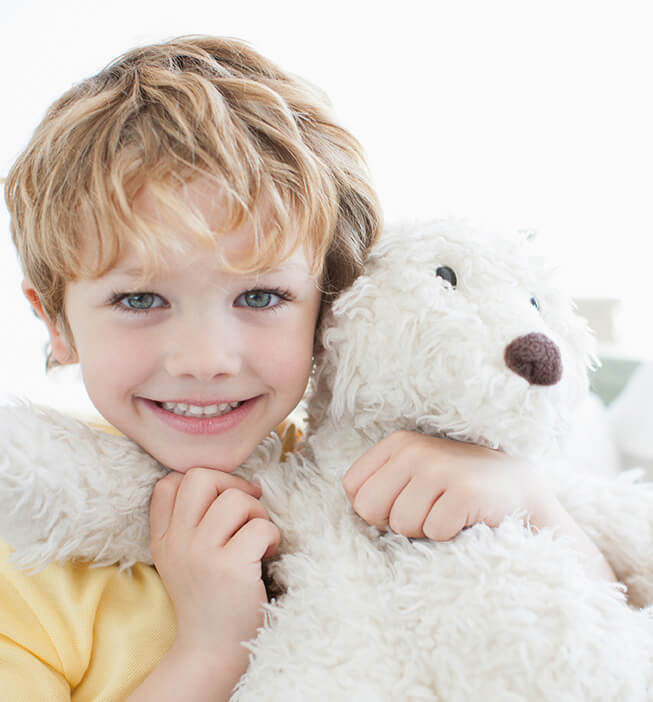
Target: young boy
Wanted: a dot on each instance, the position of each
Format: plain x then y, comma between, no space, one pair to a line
182,218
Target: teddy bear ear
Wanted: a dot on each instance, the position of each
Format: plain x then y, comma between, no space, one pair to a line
336,379
335,376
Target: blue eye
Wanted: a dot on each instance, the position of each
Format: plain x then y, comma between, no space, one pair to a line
139,302
259,299
535,302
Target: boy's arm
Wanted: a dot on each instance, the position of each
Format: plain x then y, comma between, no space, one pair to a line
423,486
209,533
193,678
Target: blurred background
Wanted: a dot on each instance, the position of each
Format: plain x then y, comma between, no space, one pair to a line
523,115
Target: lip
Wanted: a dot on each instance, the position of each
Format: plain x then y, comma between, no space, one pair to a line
202,425
200,403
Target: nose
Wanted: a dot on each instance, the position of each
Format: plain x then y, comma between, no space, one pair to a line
203,351
536,358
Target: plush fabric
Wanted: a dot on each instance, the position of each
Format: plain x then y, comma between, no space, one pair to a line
495,614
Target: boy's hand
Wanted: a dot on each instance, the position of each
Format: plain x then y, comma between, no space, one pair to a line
422,486
209,533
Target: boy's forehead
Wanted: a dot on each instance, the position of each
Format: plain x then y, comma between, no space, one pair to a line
203,203
200,222
130,267
199,195
135,267
188,228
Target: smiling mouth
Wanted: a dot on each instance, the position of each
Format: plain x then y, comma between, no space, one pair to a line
184,409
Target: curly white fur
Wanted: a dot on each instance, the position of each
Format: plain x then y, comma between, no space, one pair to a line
496,614
70,491
501,614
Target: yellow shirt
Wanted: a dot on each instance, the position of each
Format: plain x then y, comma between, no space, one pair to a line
73,632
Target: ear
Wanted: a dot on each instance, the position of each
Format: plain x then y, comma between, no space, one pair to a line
61,349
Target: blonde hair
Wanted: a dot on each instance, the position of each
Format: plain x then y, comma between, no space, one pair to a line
164,115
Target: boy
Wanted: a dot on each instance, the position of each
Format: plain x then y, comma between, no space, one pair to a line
182,218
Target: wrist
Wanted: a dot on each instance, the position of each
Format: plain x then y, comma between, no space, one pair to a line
547,511
544,508
211,675
191,676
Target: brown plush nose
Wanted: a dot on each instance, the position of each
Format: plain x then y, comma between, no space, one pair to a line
536,358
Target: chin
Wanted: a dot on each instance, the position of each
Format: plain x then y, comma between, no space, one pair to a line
182,464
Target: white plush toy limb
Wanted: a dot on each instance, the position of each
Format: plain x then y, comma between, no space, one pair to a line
617,514
70,491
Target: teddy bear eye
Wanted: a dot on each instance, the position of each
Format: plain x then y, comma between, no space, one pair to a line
535,302
447,274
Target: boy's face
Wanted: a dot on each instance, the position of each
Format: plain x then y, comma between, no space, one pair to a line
199,365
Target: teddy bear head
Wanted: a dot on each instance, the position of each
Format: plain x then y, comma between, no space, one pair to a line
454,333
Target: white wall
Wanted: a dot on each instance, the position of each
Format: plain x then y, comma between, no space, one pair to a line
527,114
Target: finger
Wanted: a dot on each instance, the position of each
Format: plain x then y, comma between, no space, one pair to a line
230,512
367,464
257,539
411,507
446,519
198,490
377,494
162,504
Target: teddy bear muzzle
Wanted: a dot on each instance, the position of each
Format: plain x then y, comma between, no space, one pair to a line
535,358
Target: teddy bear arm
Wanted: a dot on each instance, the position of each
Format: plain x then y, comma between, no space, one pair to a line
617,514
71,492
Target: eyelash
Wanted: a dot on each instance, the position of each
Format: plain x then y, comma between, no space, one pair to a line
284,296
117,297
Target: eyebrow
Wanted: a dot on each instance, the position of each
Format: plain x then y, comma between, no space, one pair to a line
285,267
132,272
137,272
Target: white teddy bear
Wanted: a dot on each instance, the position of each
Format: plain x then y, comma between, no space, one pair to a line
449,333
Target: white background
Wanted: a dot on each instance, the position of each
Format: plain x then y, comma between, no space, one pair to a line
529,115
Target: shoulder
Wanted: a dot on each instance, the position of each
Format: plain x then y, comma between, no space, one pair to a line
76,592
78,619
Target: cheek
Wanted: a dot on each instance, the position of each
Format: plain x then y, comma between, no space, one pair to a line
293,370
289,358
112,361
301,362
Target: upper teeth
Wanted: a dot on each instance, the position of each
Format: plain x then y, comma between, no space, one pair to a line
188,410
